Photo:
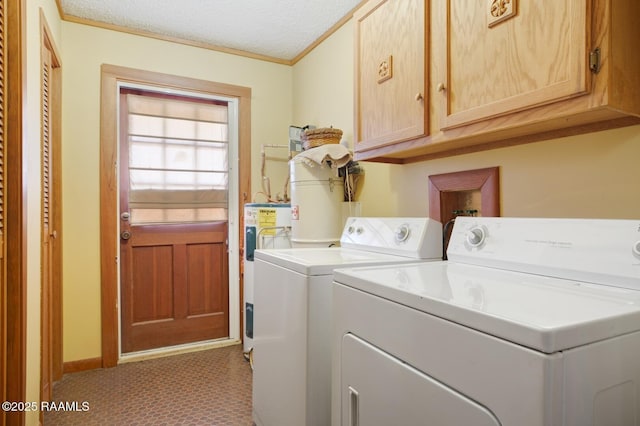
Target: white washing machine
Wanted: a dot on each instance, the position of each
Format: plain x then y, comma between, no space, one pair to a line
530,322
292,319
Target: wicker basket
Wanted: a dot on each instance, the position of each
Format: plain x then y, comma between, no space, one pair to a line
317,137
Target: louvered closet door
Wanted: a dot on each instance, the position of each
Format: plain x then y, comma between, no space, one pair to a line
3,302
47,232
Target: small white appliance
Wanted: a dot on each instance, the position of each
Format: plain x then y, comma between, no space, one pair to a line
292,319
266,225
531,322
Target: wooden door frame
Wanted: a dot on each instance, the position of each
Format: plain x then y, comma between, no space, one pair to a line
15,238
111,75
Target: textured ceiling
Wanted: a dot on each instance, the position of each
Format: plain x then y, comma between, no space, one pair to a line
280,29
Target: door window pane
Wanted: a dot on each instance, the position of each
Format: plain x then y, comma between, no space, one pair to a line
178,159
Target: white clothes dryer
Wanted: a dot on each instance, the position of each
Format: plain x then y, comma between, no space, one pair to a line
531,322
292,319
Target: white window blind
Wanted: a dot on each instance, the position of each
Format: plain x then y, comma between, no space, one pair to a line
178,159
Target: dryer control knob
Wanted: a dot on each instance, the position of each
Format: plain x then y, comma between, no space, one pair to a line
636,249
402,233
476,236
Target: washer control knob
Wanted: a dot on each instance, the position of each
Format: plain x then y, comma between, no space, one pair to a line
476,236
359,230
636,249
402,233
350,229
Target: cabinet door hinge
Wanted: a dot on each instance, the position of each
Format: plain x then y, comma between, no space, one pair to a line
594,60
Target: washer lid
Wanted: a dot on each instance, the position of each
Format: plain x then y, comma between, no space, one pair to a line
322,261
542,313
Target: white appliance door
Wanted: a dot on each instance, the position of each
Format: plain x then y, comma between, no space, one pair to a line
380,390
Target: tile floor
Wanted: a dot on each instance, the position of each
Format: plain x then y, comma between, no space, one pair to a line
211,387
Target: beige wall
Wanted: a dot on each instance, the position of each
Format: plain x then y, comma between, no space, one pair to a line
85,48
592,175
323,95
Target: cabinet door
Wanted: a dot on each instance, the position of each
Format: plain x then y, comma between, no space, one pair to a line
390,72
535,55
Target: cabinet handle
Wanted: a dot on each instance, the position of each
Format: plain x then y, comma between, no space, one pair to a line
440,87
419,97
354,410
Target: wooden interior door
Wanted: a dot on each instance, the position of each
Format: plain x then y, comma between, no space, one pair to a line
50,308
174,284
3,281
174,270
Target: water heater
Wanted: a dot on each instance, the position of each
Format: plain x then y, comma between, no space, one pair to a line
266,225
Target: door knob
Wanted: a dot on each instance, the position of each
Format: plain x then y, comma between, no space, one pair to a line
125,235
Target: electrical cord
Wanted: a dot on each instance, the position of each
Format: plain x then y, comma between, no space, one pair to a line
446,234
248,355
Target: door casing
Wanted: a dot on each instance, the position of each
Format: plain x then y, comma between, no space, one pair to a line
14,262
112,77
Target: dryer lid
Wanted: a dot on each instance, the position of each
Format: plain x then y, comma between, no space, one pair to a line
543,313
322,261
599,251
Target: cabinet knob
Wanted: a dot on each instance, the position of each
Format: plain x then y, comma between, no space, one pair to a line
419,97
440,87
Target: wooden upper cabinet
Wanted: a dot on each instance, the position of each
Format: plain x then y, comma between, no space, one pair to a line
504,56
390,72
500,73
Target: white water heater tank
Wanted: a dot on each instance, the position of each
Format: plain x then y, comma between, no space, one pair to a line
317,193
266,226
